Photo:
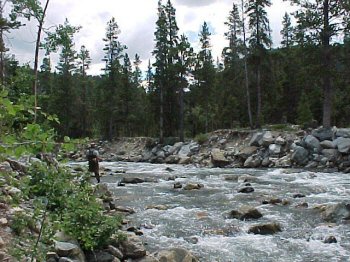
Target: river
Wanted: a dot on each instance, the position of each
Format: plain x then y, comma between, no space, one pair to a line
197,219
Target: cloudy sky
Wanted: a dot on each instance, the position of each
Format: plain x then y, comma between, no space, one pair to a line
136,19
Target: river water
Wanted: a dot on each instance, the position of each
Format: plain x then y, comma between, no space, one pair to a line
196,220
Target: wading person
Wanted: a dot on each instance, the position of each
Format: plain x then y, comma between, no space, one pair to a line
93,159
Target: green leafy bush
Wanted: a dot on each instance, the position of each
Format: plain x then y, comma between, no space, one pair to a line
201,138
83,219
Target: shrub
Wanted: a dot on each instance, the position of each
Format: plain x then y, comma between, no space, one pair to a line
83,219
201,138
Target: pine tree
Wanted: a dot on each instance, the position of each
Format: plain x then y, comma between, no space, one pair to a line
185,65
287,31
110,94
205,74
260,38
323,20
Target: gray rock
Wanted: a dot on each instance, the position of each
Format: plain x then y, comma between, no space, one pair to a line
133,247
336,212
185,151
115,252
184,160
300,155
246,190
330,154
252,162
327,144
218,158
69,250
125,209
267,139
266,162
194,147
176,255
343,144
265,229
247,152
100,256
280,141
256,139
283,161
274,149
323,134
343,132
168,150
160,154
312,143
172,159
147,155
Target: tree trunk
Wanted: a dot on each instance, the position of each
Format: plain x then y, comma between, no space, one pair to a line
181,120
37,47
246,70
161,115
327,87
258,94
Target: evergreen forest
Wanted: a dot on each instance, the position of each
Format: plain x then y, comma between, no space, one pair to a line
184,92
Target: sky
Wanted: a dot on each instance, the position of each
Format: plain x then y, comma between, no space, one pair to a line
136,20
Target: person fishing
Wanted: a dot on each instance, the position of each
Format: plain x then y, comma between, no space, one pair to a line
92,156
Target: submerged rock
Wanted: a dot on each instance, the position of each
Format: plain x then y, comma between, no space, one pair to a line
247,189
330,240
265,229
193,186
245,213
336,212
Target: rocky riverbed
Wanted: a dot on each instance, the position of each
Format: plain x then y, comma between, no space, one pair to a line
322,149
233,170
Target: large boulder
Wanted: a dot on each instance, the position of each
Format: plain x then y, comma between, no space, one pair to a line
252,162
70,250
218,158
312,143
327,144
275,149
185,151
132,247
330,154
247,152
300,155
336,212
256,139
176,255
343,144
343,132
267,139
323,134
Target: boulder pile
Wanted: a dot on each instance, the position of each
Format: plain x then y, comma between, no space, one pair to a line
312,149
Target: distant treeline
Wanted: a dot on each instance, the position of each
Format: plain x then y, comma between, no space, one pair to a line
185,93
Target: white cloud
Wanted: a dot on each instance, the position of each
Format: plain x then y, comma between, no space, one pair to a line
136,19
